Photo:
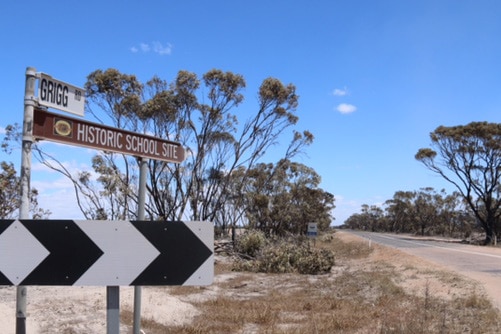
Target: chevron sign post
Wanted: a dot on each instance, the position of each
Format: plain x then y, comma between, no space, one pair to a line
105,253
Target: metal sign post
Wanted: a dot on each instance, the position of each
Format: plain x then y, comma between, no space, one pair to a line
143,170
113,292
24,209
112,310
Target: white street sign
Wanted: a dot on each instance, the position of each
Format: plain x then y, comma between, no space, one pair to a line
60,95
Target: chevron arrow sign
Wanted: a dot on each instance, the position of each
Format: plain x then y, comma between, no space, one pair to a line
106,253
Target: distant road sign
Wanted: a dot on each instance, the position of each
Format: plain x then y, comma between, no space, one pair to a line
77,132
312,230
106,253
60,95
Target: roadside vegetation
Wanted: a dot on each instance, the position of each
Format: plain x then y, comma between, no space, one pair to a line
368,290
277,280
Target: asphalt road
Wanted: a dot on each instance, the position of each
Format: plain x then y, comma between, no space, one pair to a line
477,262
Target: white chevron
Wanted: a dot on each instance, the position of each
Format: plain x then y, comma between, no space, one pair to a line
204,275
20,252
126,252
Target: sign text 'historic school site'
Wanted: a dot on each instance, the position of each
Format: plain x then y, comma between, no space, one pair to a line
74,131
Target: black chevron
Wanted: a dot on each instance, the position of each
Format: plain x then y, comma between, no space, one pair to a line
181,253
4,224
72,252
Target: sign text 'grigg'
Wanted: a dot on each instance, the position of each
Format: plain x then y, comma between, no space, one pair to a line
60,95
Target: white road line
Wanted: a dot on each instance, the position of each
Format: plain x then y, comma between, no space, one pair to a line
446,248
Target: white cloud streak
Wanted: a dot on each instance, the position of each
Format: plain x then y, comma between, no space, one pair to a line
340,92
162,49
155,47
345,108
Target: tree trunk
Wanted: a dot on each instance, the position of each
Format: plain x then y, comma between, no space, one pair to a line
489,235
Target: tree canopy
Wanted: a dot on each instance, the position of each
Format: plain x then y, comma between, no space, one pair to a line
10,197
469,157
223,144
285,197
423,212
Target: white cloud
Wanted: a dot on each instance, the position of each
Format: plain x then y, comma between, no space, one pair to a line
345,108
340,92
155,47
161,49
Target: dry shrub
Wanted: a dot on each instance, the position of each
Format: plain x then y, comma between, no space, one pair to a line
250,243
282,255
316,261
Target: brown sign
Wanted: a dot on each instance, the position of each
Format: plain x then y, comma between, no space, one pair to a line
76,132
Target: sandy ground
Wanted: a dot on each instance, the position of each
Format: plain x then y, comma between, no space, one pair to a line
83,309
78,310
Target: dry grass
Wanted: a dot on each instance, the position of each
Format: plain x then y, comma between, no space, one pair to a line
370,290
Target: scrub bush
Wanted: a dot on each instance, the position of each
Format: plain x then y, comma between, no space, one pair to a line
281,255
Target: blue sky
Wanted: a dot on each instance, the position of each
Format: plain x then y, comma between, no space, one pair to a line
374,77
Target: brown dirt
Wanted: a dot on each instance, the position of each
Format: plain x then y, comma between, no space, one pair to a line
75,310
418,275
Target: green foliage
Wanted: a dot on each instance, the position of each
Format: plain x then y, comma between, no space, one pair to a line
9,190
468,157
283,255
250,243
221,178
423,212
10,198
200,113
280,257
284,197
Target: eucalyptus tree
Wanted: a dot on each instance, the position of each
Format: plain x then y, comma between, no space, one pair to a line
399,212
427,206
201,115
9,190
371,218
10,182
469,157
10,198
285,197
455,216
